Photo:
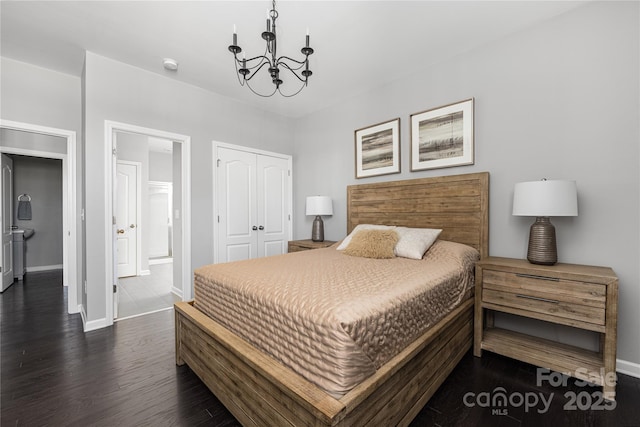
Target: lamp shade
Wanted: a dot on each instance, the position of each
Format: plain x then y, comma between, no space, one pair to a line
319,205
545,198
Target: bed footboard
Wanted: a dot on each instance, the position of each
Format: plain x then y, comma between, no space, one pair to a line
259,391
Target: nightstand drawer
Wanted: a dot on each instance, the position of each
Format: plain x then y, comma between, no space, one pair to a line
550,296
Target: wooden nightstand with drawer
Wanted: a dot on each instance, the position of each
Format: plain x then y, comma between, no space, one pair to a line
305,245
580,296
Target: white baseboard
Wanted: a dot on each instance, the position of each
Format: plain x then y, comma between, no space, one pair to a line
44,268
92,325
176,291
628,368
145,272
84,316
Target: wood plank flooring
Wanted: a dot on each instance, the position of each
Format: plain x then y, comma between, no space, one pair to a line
53,374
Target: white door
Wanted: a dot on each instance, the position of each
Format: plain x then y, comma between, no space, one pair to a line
6,218
127,189
254,204
273,205
236,205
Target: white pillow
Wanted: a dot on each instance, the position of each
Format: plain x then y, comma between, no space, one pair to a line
414,242
358,227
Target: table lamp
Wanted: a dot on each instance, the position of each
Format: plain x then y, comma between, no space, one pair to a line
544,199
318,205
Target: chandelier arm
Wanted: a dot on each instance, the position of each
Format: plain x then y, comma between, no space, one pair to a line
293,72
241,81
301,63
259,94
263,60
256,71
293,94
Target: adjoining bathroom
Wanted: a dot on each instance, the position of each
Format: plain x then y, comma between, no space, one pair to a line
32,212
36,215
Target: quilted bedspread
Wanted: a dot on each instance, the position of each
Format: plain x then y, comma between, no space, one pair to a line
333,318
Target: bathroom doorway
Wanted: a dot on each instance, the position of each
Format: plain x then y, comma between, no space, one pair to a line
58,145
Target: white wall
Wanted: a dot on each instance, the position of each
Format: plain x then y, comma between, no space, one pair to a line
122,93
160,166
559,100
35,95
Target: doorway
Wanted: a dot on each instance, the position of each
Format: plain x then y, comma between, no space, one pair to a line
148,285
63,147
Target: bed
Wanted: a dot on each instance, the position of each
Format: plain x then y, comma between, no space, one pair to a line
259,390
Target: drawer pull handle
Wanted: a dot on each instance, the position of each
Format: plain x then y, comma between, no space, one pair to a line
552,301
533,276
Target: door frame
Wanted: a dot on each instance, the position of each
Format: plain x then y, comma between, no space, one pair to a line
110,127
216,213
70,259
6,271
138,166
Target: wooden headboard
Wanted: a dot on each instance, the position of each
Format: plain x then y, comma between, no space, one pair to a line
458,204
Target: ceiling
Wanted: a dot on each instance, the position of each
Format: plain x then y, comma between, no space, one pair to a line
359,45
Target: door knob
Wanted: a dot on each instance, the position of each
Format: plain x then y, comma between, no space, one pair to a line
261,228
120,231
132,226
254,228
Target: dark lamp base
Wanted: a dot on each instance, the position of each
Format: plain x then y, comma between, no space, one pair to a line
542,242
317,231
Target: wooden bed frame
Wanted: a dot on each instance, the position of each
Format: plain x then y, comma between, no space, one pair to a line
259,391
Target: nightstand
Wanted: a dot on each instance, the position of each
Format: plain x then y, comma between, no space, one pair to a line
305,245
580,296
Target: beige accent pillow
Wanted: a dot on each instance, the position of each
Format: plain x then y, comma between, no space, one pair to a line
373,244
414,242
360,227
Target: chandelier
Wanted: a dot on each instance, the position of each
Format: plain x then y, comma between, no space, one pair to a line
247,68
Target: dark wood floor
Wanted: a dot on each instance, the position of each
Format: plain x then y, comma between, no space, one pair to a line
53,374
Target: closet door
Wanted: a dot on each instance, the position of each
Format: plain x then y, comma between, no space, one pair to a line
273,205
253,198
236,197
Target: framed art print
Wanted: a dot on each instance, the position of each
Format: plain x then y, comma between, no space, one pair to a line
378,149
442,137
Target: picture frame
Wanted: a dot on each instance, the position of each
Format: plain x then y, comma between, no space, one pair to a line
378,149
443,137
